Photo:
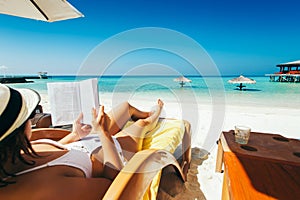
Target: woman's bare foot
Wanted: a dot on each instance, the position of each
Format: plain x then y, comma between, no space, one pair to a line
154,115
160,103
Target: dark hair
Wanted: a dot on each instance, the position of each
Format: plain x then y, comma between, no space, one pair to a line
11,148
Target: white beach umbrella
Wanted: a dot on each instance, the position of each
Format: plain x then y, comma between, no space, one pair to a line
182,80
45,10
242,80
3,68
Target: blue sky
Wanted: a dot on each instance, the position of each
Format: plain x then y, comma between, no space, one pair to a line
241,37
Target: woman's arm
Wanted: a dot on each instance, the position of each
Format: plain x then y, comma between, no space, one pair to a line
112,161
72,137
79,131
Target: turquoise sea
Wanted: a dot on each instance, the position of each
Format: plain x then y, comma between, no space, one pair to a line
201,89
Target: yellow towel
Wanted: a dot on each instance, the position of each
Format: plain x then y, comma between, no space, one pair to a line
166,135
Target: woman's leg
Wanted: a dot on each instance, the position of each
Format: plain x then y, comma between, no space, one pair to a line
120,114
131,138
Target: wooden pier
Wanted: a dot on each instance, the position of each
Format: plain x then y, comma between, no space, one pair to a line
7,80
22,79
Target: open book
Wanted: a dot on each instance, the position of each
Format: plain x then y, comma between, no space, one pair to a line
69,99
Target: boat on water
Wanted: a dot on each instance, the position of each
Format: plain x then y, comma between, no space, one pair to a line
43,75
288,72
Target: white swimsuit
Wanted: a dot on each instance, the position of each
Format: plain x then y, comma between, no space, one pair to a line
73,158
78,155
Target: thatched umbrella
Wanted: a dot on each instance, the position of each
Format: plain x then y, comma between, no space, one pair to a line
240,80
182,80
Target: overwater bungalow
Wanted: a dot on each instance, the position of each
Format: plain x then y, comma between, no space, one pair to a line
289,72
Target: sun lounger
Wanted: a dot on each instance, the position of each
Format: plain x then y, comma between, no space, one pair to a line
42,128
160,148
135,178
138,178
41,119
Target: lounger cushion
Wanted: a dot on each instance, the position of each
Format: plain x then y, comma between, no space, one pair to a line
166,135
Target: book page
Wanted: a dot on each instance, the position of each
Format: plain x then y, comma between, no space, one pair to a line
89,97
64,102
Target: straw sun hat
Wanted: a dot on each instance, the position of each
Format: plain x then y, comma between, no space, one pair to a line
16,105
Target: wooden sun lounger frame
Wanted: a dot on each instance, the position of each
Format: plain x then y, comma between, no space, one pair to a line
130,182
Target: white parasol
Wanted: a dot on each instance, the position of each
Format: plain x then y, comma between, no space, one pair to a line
3,68
182,80
45,10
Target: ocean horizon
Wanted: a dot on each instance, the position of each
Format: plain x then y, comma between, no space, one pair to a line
201,89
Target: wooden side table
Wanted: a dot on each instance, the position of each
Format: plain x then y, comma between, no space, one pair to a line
268,167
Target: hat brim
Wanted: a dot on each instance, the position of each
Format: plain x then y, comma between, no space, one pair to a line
30,100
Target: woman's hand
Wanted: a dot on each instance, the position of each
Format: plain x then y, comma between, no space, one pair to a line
81,130
101,121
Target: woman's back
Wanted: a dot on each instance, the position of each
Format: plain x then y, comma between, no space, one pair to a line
53,182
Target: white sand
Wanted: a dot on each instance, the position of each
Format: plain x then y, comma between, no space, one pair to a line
283,121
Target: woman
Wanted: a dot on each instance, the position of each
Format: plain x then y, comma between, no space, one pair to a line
43,171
